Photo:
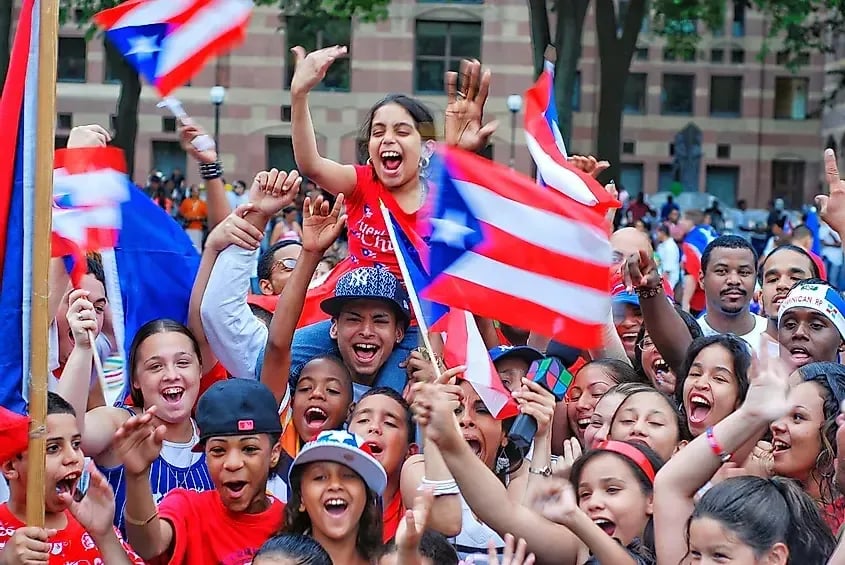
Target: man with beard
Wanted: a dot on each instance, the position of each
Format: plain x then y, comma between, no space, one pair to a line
728,275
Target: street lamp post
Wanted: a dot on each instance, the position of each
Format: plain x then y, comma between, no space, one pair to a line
514,103
217,95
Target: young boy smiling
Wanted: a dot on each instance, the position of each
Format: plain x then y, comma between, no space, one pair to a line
78,525
239,430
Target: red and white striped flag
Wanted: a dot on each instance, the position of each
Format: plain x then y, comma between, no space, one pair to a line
506,249
545,143
464,346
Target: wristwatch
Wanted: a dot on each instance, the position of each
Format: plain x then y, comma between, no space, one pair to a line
544,471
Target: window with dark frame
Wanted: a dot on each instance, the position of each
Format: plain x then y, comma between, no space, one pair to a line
439,47
677,94
312,36
737,56
629,147
72,54
636,89
788,182
64,120
168,124
717,55
791,98
738,24
726,96
723,151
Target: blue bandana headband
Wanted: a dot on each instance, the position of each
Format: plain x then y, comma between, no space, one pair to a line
820,298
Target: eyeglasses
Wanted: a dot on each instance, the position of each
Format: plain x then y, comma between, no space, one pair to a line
645,344
288,264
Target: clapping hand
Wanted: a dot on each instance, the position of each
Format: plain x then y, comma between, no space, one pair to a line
96,509
235,230
321,225
768,389
274,190
138,442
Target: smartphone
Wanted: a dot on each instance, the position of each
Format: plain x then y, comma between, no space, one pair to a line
82,485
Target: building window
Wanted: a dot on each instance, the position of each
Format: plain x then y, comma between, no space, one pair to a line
738,24
331,31
641,54
677,95
788,182
801,59
60,142
725,96
64,120
286,113
636,88
70,66
629,147
665,177
167,156
439,47
113,122
791,98
168,124
737,56
631,177
280,153
717,55
722,182
723,151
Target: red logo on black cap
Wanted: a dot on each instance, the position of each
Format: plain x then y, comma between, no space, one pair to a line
246,425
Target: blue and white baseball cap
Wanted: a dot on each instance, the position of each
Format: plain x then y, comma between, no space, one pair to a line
527,354
373,283
345,448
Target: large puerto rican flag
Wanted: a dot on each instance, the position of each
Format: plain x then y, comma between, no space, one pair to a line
507,249
545,143
17,186
169,41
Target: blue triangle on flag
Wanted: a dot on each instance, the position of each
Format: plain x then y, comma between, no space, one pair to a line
454,228
140,46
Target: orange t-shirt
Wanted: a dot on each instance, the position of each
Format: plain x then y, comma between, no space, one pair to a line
194,211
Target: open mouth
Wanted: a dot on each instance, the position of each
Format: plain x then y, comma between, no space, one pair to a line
365,352
583,423
475,445
235,489
336,506
315,417
173,394
779,446
607,526
800,355
374,448
68,483
391,160
629,338
700,408
661,371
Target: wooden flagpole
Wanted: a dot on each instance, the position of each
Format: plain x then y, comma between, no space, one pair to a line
42,226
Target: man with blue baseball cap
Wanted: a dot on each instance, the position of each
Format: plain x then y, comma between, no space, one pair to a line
512,363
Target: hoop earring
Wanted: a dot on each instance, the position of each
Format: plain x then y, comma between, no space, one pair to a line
369,161
424,163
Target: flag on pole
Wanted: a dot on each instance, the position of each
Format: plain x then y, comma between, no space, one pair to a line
545,143
17,185
464,346
169,41
508,250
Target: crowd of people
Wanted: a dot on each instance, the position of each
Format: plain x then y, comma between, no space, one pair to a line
706,429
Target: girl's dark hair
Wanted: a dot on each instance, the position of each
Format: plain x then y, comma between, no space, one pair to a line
831,378
681,420
646,545
370,525
434,546
421,115
740,353
763,512
814,269
619,371
301,549
692,326
395,396
161,325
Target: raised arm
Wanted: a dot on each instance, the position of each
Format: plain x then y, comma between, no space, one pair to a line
97,426
218,204
310,70
688,470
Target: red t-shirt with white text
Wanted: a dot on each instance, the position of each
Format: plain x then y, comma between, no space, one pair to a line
204,531
369,241
70,546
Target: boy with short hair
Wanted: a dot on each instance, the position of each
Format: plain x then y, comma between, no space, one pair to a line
239,430
78,525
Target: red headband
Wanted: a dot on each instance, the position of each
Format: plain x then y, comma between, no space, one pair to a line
631,453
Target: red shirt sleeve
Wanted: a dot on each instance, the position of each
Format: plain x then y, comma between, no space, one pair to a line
176,508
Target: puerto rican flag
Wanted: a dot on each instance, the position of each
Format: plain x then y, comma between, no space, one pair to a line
89,186
545,143
169,41
506,249
464,346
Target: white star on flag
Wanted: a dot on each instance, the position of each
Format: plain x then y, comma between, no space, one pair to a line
143,47
451,229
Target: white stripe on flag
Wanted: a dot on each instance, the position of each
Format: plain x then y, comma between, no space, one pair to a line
28,142
153,12
575,301
115,305
202,30
74,224
557,177
89,189
545,229
479,367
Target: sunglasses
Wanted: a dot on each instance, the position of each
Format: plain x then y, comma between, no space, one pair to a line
287,264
